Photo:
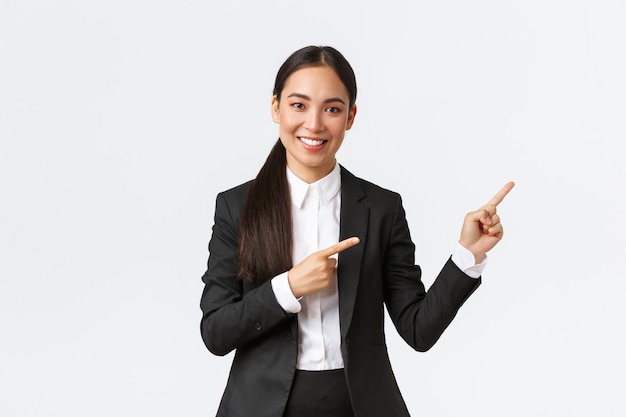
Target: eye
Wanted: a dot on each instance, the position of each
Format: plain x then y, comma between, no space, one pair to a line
333,109
297,106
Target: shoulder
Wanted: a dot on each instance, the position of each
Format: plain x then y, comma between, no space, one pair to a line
361,188
230,202
235,194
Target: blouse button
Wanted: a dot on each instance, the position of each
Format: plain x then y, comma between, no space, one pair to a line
258,326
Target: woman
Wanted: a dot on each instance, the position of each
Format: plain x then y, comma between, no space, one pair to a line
303,259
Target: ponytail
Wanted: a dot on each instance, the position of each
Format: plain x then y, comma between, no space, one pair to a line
266,231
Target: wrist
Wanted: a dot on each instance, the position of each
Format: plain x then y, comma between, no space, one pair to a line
479,256
292,287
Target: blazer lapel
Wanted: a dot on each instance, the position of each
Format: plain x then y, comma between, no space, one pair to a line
352,222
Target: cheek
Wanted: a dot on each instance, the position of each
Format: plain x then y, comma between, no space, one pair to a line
289,119
338,125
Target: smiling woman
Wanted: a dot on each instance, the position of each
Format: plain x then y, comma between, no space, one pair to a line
304,258
313,112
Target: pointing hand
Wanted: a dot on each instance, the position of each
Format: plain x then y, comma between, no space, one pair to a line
482,229
314,272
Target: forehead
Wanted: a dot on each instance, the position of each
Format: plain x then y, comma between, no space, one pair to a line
316,82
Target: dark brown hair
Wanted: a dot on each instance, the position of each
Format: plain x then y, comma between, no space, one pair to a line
266,231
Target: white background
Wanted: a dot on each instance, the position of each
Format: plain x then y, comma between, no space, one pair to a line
120,121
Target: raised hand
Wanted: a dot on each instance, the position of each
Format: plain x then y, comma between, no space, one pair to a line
314,272
482,229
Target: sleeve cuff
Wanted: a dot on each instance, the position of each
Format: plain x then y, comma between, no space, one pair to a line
284,296
464,260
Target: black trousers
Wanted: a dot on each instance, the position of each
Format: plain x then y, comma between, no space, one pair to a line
319,394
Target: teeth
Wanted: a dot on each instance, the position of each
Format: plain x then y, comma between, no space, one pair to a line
311,142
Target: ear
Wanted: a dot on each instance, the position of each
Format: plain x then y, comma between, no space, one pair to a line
275,111
351,117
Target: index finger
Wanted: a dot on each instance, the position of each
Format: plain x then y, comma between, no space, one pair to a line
340,246
497,199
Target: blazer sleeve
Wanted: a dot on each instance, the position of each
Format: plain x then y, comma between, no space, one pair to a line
234,312
420,316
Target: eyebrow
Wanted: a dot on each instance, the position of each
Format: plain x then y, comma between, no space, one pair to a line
328,100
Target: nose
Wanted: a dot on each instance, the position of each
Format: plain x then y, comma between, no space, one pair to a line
313,121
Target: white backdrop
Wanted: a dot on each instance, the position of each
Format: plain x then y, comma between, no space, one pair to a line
120,121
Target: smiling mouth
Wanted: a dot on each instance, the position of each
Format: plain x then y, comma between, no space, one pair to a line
312,142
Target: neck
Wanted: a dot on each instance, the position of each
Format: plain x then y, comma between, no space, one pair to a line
310,174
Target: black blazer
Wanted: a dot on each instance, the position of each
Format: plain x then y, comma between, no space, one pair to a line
379,271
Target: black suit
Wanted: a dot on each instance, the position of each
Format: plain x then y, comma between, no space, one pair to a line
380,270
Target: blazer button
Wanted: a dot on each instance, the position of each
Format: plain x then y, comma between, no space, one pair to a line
258,326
